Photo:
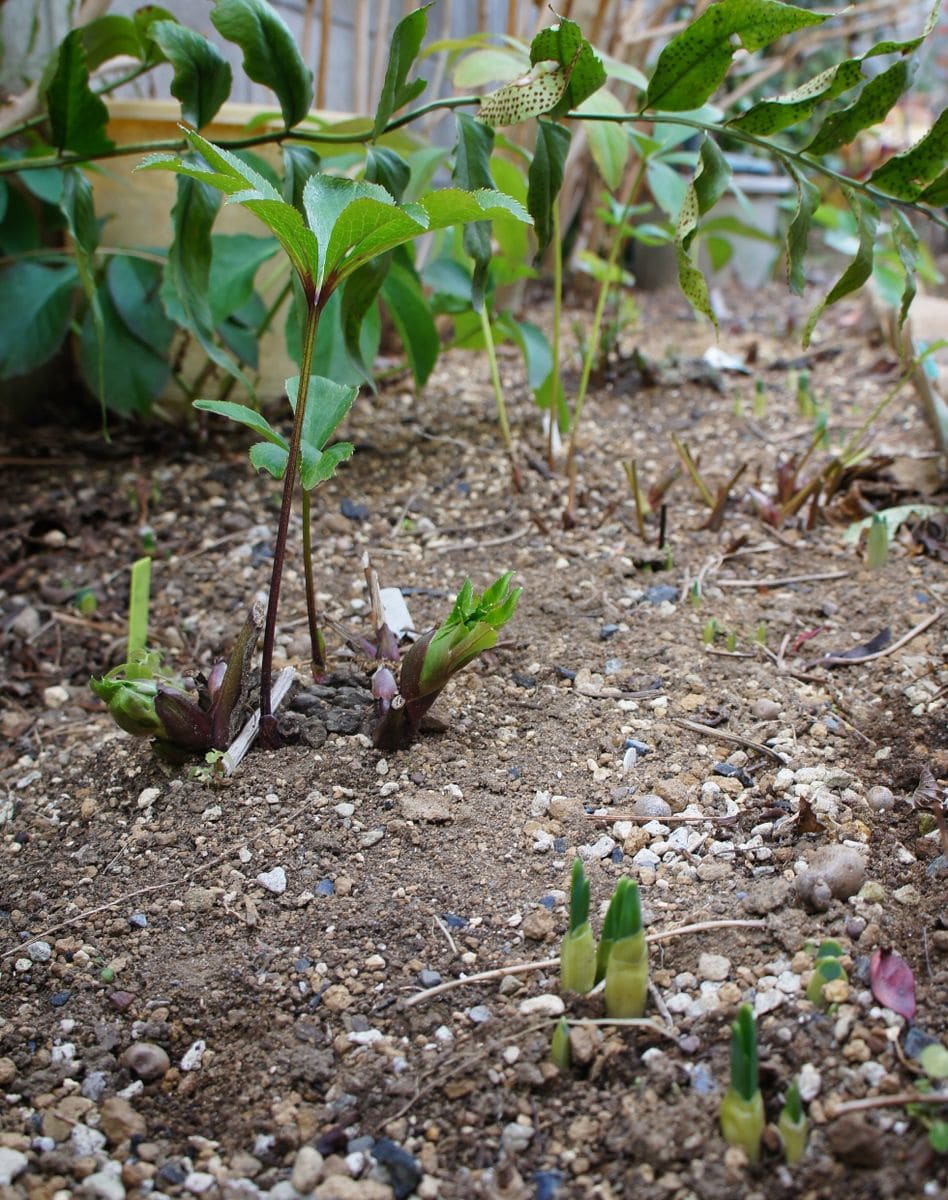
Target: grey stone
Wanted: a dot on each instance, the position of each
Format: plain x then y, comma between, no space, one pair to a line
273,881
12,1164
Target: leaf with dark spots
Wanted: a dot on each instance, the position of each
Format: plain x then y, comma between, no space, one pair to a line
892,982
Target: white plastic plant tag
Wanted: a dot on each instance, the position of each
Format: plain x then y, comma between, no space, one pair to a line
395,611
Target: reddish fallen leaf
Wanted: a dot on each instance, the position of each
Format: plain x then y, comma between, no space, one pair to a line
892,982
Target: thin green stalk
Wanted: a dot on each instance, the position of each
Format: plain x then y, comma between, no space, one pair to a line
316,641
269,736
138,600
617,243
176,145
498,391
782,152
557,316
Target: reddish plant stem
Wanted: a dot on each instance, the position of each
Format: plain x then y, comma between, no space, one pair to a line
269,737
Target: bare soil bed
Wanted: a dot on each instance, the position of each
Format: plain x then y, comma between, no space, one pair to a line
143,904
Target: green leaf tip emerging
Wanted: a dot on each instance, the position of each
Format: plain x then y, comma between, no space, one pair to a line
470,629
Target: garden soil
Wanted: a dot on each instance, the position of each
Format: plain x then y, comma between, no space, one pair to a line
220,988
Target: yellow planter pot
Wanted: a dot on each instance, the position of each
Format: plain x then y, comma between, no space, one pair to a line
138,207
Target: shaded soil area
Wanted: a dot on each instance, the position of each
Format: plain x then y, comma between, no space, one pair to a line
265,938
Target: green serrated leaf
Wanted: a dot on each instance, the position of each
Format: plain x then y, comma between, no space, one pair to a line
202,76
545,178
325,199
565,45
244,415
471,171
323,466
808,200
270,53
327,402
859,270
77,117
875,101
270,458
35,306
694,63
907,175
411,314
230,175
396,90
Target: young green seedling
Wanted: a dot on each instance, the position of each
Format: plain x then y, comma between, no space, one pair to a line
742,1109
336,234
826,968
139,597
147,702
578,951
559,1047
877,543
438,655
626,959
792,1125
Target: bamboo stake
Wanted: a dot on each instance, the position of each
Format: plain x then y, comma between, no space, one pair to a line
595,29
380,49
360,47
325,33
513,15
309,22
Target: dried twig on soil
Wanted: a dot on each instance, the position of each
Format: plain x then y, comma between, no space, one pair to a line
831,660
498,541
548,964
734,738
786,581
896,1100
611,818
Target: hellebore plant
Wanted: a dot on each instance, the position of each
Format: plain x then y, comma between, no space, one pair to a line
436,657
337,233
623,954
182,718
742,1109
578,951
792,1125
